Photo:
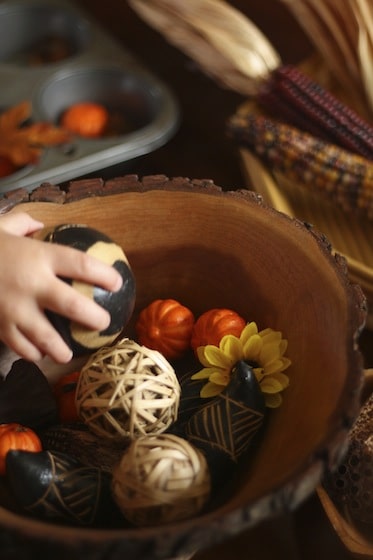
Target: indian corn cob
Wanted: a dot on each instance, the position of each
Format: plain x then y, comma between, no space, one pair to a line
230,48
344,177
289,95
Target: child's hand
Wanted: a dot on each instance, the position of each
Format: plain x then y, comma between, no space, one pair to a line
30,283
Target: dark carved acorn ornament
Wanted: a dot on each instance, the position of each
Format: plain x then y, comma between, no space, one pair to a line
55,486
119,304
224,428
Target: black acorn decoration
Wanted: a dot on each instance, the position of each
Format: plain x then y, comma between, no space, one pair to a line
190,400
26,397
54,486
224,428
119,304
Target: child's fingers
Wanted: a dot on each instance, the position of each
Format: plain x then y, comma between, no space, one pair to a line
21,345
79,307
19,223
42,338
75,264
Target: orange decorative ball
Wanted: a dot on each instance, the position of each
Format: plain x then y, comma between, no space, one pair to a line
212,325
86,119
64,391
166,325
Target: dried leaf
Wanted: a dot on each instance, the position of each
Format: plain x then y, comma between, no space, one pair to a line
23,143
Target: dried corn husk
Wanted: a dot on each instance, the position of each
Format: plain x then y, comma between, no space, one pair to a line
235,53
342,31
226,44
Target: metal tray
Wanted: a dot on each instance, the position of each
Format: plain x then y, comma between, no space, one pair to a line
96,68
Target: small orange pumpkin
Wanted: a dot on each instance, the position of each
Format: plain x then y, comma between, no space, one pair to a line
9,426
165,325
213,324
86,119
17,436
64,391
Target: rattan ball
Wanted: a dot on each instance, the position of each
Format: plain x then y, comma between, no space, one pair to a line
161,479
127,391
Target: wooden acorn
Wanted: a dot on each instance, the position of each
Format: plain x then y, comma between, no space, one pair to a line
56,486
26,397
190,400
119,304
224,428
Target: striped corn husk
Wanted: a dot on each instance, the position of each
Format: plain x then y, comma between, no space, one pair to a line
230,48
342,31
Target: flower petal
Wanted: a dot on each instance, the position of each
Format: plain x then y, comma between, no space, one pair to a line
269,353
248,332
258,371
283,346
271,385
210,390
210,355
252,347
203,373
286,362
215,357
201,356
220,377
270,336
283,379
231,346
274,367
273,401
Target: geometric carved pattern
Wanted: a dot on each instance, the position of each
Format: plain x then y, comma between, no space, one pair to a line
60,487
226,425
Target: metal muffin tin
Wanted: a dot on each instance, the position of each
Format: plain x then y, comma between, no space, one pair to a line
96,68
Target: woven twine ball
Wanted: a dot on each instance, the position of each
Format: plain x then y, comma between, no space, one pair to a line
161,479
127,391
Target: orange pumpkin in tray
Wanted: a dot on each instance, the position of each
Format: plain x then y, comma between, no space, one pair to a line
86,119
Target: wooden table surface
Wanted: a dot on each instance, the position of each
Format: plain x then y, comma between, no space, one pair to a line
200,149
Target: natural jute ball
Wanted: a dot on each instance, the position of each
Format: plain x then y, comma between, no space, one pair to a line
161,479
127,391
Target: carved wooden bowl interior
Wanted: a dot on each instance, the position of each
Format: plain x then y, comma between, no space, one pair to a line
208,248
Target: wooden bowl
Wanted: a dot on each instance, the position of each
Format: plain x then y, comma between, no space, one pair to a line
208,248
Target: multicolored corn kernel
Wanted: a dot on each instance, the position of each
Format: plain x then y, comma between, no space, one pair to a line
342,176
292,96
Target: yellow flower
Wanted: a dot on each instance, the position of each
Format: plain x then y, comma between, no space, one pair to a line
263,350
